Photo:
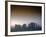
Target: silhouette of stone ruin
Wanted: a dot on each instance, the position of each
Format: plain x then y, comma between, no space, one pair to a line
31,27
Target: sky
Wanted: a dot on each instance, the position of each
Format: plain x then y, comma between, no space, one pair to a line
25,15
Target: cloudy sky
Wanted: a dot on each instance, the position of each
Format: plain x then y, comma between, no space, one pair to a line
25,14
